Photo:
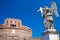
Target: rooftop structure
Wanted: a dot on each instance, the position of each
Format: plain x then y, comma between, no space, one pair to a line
12,29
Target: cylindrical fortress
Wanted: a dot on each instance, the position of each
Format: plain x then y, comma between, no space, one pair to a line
12,29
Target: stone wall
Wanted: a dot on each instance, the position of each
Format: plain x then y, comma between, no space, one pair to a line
12,29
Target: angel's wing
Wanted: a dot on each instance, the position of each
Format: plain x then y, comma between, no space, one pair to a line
54,8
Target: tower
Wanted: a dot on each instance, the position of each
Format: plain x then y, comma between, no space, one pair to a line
50,33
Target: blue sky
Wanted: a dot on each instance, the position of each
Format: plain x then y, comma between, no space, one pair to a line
26,10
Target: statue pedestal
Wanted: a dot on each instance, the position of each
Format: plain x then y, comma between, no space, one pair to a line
50,34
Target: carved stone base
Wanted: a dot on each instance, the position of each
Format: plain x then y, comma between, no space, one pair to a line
50,34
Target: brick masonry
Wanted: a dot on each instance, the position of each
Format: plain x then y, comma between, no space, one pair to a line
12,29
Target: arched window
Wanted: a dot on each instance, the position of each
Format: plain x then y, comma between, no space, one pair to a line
13,23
